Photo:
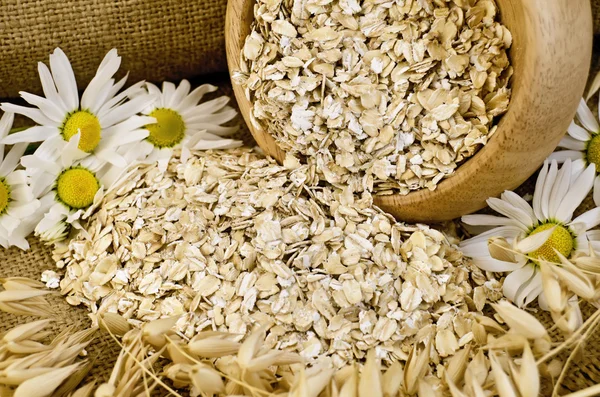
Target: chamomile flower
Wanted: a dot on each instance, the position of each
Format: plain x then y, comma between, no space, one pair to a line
18,205
582,145
72,194
183,122
537,232
94,126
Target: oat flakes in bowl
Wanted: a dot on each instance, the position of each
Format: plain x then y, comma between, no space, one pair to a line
393,97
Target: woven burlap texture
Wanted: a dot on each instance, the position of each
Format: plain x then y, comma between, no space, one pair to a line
158,39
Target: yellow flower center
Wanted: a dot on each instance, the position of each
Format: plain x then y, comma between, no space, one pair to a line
593,151
88,124
169,129
76,187
4,196
560,240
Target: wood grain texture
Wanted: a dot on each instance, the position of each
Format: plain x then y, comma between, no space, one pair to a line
551,53
237,26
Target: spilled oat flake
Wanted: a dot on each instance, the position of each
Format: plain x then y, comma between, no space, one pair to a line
231,239
382,96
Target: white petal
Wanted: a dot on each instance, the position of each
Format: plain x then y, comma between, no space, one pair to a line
19,241
179,95
215,129
135,136
50,220
579,189
50,89
138,151
518,202
572,144
22,193
185,154
126,110
590,219
33,161
32,113
508,232
71,152
50,148
12,159
212,106
33,134
548,186
582,244
531,291
64,78
593,235
131,92
493,265
132,123
543,301
487,220
23,210
518,215
534,241
515,282
18,177
157,94
579,133
164,155
195,97
221,117
168,89
585,116
560,188
597,191
6,123
220,144
539,188
562,155
49,109
9,222
111,157
109,66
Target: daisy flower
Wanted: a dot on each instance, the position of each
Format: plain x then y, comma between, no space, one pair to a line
183,123
71,194
538,232
582,145
18,204
95,126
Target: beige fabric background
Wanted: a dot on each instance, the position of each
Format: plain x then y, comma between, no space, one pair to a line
158,39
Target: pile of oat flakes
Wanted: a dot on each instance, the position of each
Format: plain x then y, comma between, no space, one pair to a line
230,240
382,96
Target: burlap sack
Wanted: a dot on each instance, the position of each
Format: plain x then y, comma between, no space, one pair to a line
158,39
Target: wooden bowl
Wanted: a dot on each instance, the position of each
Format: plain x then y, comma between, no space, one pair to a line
551,53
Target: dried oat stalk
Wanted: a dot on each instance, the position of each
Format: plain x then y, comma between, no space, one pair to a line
23,296
512,359
31,368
